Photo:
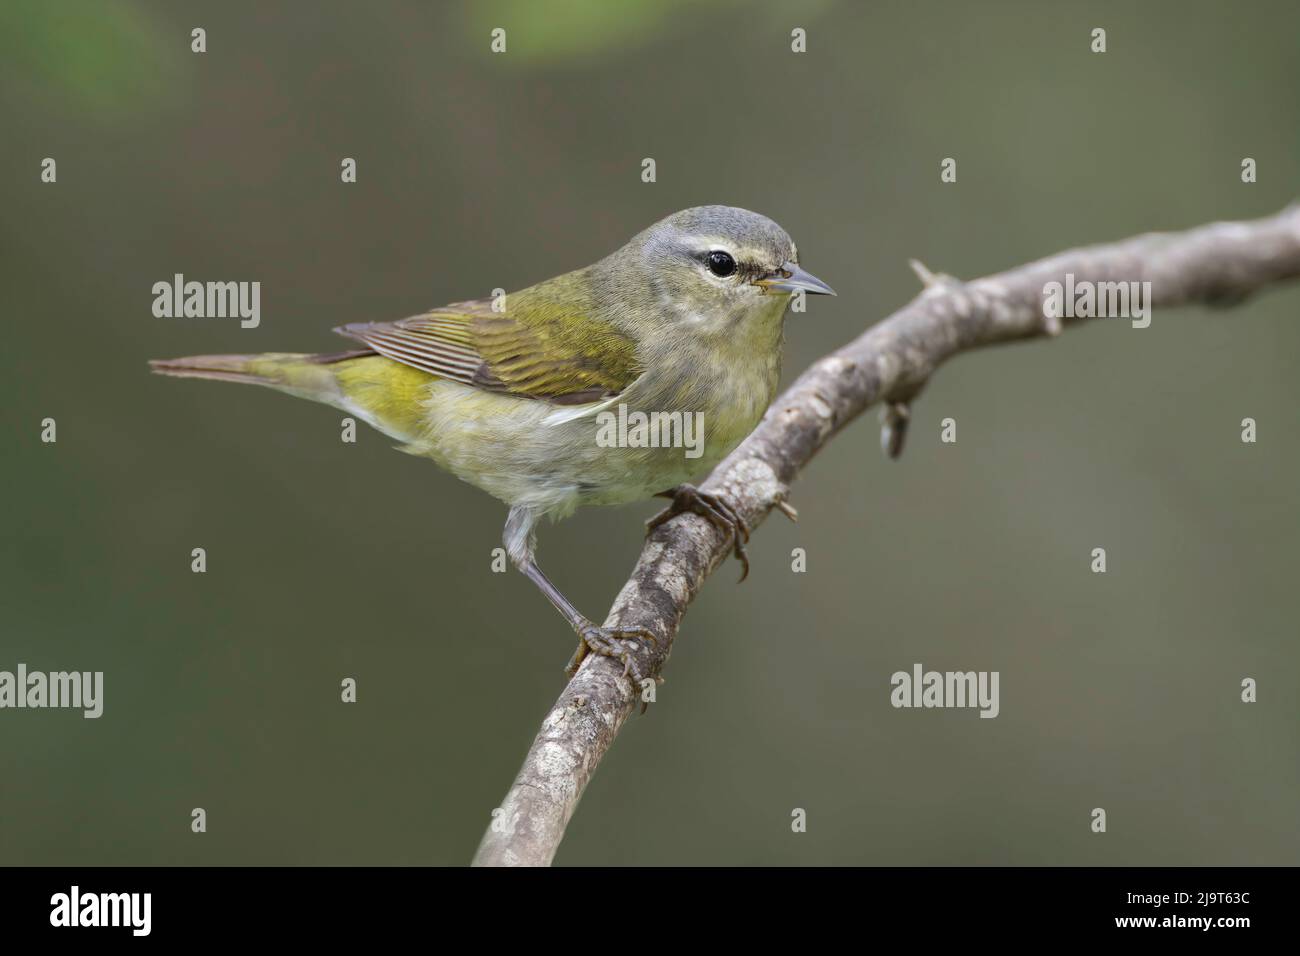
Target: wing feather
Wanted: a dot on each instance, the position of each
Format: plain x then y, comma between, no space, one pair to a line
548,347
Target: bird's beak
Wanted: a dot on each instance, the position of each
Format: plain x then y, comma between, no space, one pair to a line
791,278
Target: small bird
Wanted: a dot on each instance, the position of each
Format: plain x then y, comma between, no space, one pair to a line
511,394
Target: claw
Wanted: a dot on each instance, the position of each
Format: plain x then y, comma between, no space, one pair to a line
579,655
609,642
630,668
688,498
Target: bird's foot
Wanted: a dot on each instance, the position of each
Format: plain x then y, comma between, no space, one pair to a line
688,498
610,642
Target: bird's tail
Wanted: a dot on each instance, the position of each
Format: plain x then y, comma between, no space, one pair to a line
306,376
387,394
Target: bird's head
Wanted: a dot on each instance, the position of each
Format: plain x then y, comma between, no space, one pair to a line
715,268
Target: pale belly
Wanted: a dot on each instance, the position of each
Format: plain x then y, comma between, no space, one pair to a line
554,459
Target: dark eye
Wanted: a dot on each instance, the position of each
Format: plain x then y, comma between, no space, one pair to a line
721,264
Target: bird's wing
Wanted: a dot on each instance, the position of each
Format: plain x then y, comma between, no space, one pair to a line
538,351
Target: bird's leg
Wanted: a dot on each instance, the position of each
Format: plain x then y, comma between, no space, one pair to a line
521,545
606,641
688,498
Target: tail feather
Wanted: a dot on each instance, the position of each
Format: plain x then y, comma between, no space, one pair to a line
306,376
387,394
223,368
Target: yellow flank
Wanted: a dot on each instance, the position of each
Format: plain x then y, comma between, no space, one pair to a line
389,394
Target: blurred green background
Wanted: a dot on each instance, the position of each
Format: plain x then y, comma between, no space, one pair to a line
328,560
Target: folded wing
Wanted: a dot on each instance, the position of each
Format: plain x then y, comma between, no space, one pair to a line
541,351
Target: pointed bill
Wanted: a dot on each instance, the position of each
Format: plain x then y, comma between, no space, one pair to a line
792,279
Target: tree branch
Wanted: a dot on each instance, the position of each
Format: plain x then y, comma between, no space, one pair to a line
1217,264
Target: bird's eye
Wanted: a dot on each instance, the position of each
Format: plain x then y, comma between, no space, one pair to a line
721,264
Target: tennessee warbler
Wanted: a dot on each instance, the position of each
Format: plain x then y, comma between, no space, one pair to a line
512,396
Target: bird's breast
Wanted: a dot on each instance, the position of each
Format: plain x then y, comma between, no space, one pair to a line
725,390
